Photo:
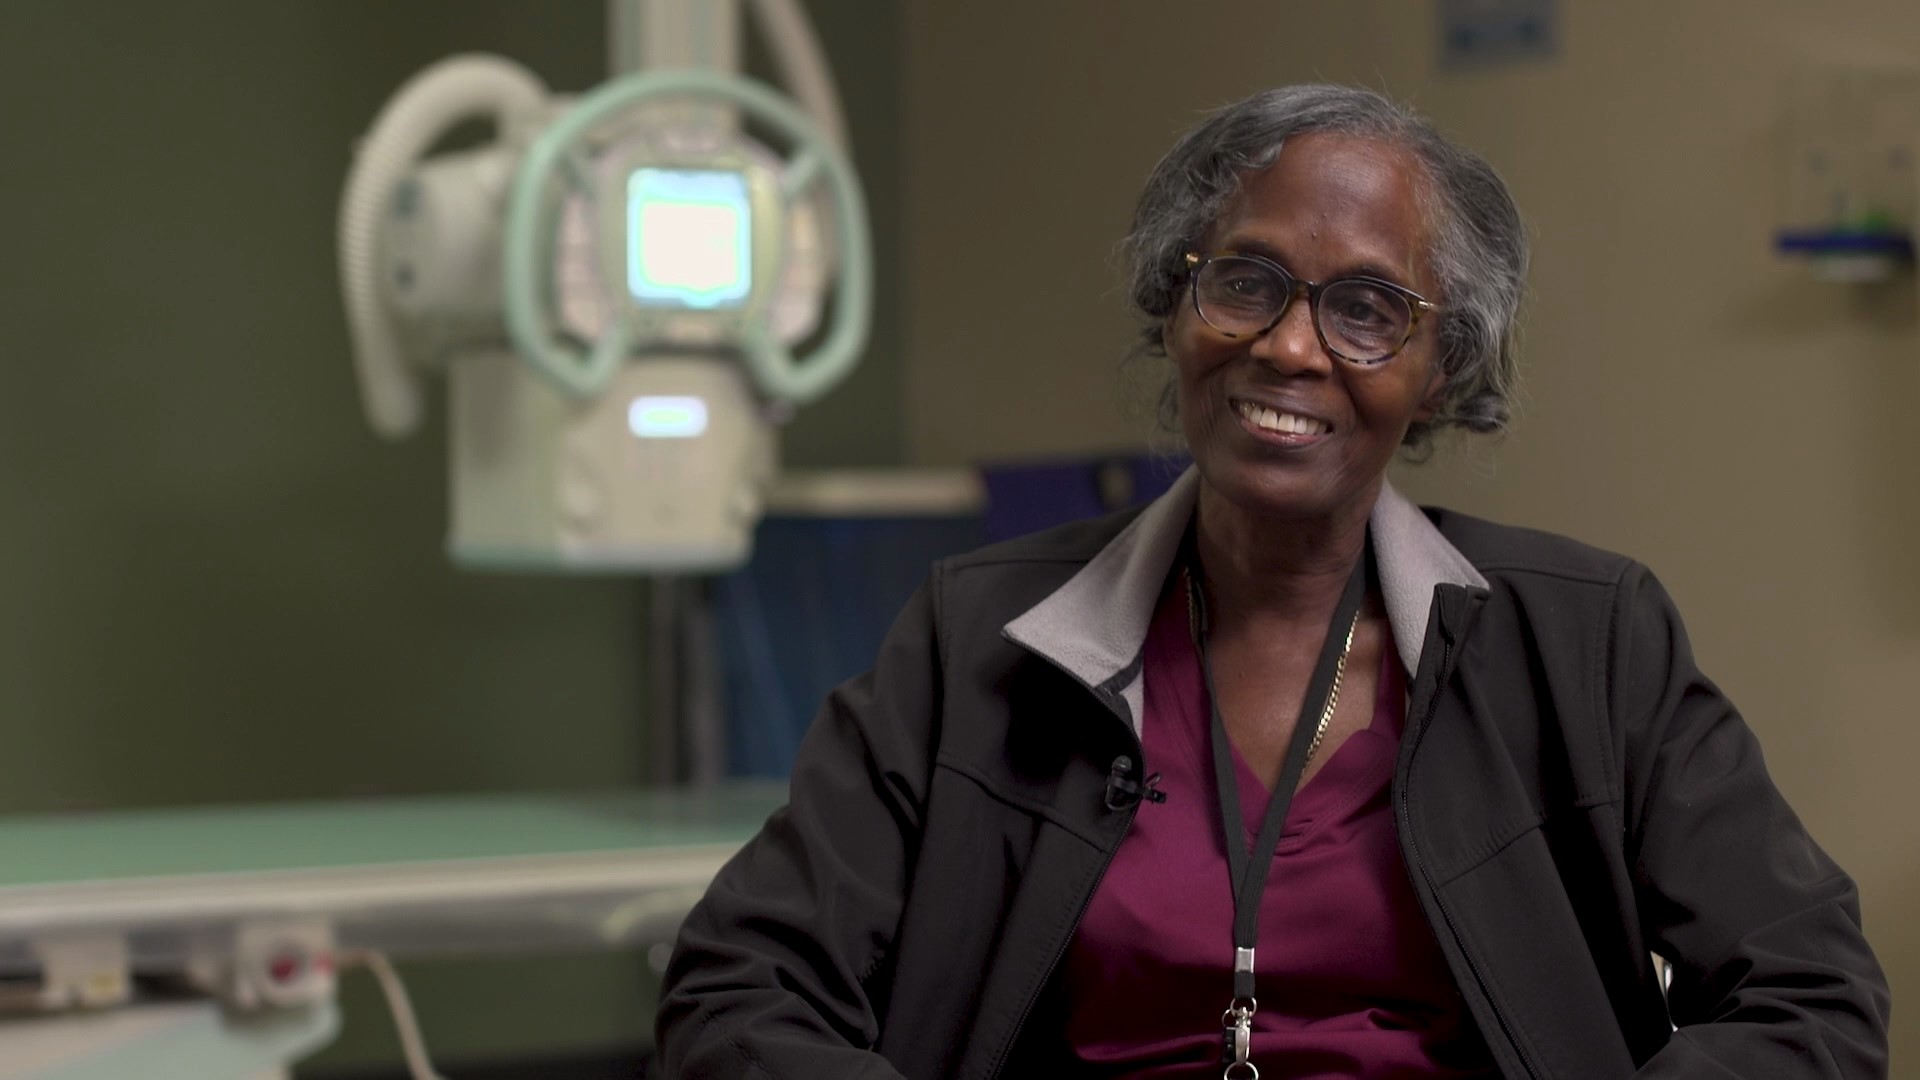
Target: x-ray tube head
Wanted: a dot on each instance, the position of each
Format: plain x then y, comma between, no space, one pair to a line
689,238
662,281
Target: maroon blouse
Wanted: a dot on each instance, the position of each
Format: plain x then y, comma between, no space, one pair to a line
1350,980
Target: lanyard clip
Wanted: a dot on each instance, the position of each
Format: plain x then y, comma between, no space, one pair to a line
1236,1040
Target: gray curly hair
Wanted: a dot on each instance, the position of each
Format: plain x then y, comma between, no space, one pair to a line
1479,247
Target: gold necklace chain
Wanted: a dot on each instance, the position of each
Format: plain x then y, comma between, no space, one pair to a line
1339,667
1333,696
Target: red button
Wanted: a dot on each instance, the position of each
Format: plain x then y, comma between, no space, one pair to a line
287,967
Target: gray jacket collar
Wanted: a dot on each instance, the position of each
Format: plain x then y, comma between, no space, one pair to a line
1095,624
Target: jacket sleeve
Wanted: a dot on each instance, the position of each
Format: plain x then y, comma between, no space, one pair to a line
773,972
1771,974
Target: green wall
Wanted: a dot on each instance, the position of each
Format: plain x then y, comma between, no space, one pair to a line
220,585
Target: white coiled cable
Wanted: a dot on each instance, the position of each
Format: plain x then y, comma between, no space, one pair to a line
458,88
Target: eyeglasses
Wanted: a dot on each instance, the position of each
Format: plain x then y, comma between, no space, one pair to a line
1361,320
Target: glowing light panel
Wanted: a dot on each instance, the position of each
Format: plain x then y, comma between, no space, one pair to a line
689,238
657,417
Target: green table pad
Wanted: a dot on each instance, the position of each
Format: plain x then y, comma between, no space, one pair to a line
37,851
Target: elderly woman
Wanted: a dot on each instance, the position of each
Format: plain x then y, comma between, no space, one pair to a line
1284,774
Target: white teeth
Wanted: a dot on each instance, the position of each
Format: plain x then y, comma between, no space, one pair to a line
1287,423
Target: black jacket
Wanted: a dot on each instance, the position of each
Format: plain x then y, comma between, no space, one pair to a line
1572,795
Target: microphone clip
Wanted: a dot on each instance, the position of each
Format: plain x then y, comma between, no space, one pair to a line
1123,791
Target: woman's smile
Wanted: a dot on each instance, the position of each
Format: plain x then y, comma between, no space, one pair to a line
1280,426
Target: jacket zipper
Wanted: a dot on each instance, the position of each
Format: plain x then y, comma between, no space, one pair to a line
1118,709
1406,822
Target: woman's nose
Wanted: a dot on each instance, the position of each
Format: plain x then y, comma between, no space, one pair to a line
1292,346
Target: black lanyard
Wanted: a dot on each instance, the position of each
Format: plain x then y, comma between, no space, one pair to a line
1247,871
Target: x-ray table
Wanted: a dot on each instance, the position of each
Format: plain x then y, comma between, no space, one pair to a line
468,875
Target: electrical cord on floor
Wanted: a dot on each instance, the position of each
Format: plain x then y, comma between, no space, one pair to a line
401,1006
